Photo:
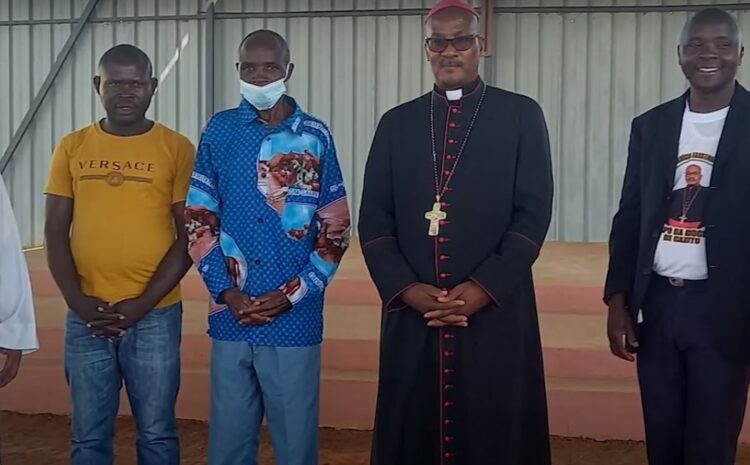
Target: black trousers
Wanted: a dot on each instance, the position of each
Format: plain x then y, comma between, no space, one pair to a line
693,397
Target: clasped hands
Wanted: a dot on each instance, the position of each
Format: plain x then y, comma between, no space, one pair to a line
110,320
259,310
442,307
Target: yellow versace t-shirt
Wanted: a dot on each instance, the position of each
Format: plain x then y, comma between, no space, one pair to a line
123,189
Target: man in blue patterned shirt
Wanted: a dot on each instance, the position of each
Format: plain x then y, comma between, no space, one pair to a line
268,223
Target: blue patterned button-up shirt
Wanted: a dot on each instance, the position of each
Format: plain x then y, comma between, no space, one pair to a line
267,210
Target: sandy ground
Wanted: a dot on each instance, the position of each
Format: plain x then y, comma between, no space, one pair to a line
43,440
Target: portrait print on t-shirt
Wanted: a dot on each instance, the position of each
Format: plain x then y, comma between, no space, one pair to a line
681,250
685,224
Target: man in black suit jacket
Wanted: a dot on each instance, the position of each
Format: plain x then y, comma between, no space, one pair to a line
678,294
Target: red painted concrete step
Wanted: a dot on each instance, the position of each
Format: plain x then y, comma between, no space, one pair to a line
590,393
577,408
552,298
568,276
352,355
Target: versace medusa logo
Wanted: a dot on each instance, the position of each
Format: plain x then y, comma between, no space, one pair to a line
115,179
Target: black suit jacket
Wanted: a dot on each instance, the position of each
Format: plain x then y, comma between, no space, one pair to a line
644,209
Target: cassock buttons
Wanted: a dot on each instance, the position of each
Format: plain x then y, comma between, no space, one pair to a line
446,172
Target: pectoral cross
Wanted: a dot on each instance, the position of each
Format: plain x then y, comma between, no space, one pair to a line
435,215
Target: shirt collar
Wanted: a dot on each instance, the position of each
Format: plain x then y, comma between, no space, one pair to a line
249,115
468,89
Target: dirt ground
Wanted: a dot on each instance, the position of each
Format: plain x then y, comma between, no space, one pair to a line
43,440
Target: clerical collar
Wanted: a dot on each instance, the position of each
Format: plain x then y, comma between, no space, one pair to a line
454,95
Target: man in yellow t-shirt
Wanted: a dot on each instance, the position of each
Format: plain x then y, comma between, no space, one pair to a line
117,248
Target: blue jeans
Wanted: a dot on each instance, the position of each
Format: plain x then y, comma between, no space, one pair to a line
147,359
250,381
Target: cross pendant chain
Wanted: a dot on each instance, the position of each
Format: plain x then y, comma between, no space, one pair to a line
435,216
687,202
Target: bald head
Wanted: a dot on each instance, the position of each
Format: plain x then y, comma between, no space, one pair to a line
712,17
267,40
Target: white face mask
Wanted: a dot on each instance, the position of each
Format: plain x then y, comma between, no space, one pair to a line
263,97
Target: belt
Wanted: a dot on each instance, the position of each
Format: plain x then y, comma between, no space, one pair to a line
679,282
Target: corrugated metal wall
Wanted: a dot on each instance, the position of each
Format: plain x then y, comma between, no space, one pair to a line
591,72
27,53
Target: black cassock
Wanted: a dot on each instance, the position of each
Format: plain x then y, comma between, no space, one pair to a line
476,395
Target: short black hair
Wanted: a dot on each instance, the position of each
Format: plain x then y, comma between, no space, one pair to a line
268,36
127,55
712,16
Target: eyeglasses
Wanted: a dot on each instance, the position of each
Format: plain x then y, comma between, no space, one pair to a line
461,43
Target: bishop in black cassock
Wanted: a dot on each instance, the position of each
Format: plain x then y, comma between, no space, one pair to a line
461,376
